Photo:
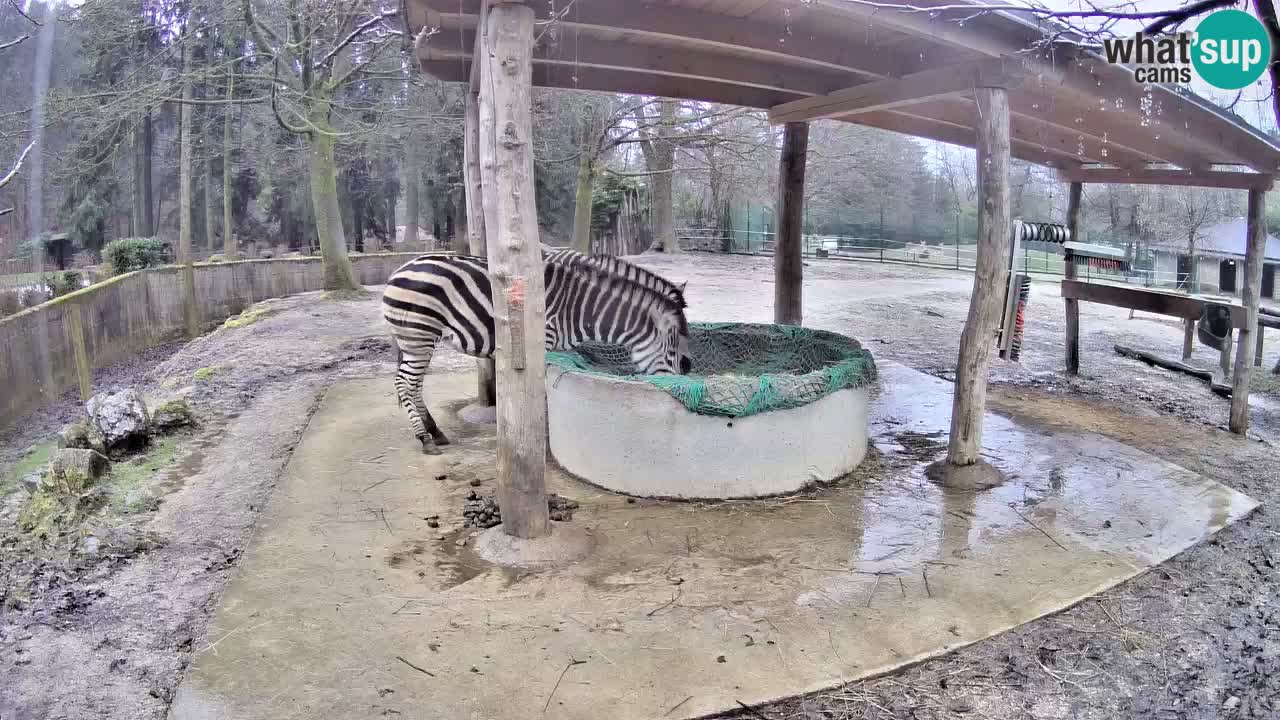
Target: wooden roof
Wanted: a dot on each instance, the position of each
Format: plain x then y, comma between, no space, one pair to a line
911,72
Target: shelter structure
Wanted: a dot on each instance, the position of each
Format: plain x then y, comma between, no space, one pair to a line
1008,84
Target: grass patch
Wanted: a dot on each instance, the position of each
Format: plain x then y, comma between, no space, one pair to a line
32,461
127,488
205,374
357,294
248,317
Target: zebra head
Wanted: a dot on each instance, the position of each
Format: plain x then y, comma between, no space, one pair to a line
671,355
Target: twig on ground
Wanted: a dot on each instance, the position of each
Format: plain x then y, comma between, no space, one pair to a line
924,571
428,673
677,705
374,485
1028,521
572,662
753,711
666,604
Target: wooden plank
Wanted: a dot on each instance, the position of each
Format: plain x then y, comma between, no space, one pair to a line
515,269
959,135
765,40
993,153
1140,299
571,52
75,331
614,81
896,92
1250,295
788,263
1164,176
1200,373
1072,306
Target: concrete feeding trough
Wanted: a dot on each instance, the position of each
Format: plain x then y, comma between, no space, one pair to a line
768,410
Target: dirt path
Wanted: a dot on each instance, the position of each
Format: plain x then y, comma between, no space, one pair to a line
109,634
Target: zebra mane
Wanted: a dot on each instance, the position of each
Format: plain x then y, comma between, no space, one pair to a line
614,272
630,272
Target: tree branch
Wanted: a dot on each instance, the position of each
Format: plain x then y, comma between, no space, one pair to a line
14,41
17,166
357,32
23,13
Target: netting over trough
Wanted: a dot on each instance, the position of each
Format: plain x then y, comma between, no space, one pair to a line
742,369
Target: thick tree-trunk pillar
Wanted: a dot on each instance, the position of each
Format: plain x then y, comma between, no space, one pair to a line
185,160
1249,296
788,263
515,269
992,263
338,273
485,394
1069,272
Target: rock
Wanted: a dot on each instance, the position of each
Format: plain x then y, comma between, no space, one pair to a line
74,470
90,545
31,481
120,418
80,434
170,415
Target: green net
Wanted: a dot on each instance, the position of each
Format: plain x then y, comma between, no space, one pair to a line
741,369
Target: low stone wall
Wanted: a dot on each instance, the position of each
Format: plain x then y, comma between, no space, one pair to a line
40,360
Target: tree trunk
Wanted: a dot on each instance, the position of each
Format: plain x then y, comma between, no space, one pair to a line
788,257
136,222
969,401
148,198
185,169
411,173
338,273
1250,296
210,212
1074,195
582,202
661,162
229,248
515,264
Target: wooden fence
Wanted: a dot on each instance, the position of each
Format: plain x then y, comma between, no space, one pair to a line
51,348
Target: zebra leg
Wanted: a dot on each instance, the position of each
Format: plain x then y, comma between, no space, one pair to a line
409,375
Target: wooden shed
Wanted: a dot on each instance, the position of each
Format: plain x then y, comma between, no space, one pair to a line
1009,84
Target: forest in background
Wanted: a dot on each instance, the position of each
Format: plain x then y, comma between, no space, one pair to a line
245,116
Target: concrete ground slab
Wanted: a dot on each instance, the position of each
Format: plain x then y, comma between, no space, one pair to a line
348,604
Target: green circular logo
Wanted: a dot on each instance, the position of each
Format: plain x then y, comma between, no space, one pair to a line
1232,49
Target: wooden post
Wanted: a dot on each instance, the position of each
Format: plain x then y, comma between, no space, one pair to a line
1074,193
1188,337
485,394
991,268
75,330
515,268
1249,296
1257,348
788,256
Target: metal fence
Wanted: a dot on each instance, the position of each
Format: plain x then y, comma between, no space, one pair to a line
955,256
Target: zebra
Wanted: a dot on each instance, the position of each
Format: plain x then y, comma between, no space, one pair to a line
586,301
618,266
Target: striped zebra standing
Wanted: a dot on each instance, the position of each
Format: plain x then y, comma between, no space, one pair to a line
588,299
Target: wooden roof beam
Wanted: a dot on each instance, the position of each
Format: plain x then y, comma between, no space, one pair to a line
959,135
897,92
625,57
1225,179
770,42
590,79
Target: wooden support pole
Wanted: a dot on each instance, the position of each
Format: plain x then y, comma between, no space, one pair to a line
788,248
485,392
75,331
1188,337
515,269
969,402
1250,297
1074,193
1257,348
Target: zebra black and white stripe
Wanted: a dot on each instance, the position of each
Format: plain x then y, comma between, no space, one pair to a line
587,300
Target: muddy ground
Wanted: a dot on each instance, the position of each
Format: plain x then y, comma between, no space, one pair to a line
107,633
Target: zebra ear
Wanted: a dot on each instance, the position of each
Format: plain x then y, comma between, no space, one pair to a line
682,286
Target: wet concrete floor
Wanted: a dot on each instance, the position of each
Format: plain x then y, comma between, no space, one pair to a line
348,604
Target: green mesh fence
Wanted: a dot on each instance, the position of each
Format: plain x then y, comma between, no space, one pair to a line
742,369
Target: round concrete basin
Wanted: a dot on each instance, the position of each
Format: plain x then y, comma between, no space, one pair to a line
634,438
